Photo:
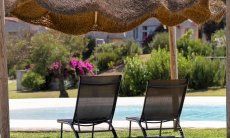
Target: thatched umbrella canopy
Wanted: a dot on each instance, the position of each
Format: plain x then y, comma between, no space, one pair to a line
114,16
82,16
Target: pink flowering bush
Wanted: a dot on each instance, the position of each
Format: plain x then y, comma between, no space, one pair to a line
81,67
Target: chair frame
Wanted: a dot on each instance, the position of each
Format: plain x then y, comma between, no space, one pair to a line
176,121
72,123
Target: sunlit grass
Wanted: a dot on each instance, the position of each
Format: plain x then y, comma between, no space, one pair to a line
14,94
189,133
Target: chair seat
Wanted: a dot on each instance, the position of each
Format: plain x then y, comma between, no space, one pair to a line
65,121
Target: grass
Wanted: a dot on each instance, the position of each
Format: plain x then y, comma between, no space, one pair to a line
14,94
189,133
209,92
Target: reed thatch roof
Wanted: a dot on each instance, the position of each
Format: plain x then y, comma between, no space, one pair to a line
82,16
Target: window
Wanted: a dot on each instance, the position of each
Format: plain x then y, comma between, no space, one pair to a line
145,27
135,33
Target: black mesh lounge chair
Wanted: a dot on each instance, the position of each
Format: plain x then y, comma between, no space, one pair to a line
163,102
96,101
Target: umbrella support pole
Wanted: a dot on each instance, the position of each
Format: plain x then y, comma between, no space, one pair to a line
173,62
4,101
173,53
228,67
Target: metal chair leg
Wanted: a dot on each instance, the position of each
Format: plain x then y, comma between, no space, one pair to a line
93,131
61,129
75,132
143,130
113,130
181,131
160,128
130,129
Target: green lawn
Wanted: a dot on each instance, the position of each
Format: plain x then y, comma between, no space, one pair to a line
209,92
13,94
189,133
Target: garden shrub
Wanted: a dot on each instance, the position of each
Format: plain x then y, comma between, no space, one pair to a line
220,73
135,77
104,60
158,65
191,48
33,80
160,40
12,73
47,49
130,48
218,41
110,54
137,72
202,73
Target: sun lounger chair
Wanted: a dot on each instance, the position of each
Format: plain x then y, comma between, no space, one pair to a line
163,102
96,101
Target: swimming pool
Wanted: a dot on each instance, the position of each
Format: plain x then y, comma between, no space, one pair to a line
191,112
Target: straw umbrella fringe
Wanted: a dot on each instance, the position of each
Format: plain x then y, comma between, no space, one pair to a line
114,16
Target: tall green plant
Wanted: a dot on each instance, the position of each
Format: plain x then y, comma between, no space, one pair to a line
160,40
135,77
189,47
202,73
158,64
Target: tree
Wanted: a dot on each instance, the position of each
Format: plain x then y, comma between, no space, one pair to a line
18,51
48,52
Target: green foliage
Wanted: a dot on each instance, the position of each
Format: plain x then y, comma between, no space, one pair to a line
76,45
130,48
158,64
219,73
218,41
12,73
46,50
89,49
32,80
135,77
111,54
18,52
202,73
104,60
191,48
160,40
137,72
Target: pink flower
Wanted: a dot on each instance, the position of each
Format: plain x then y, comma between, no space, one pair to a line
81,67
55,66
74,63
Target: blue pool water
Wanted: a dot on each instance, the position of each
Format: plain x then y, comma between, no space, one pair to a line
189,113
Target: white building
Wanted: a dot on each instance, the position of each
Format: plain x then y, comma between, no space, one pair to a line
185,26
139,33
14,26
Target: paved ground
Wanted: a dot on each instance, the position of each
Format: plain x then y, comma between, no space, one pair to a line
46,125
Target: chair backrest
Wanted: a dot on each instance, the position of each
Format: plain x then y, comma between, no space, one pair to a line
97,96
164,100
